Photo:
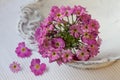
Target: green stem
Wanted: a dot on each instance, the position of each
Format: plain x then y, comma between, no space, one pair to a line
68,19
72,19
81,43
74,50
75,20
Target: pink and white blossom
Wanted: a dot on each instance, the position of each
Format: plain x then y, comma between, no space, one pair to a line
83,54
37,67
58,43
75,31
67,56
15,67
22,51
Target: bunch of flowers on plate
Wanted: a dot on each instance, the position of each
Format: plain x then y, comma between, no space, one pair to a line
68,34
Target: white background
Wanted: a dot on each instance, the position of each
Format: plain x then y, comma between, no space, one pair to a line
9,38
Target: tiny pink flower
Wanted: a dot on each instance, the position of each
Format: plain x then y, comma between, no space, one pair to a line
94,49
37,68
54,9
50,28
85,18
43,51
75,31
46,44
89,38
94,25
67,56
15,67
58,16
66,11
56,13
44,48
79,10
22,51
83,54
40,34
85,28
53,55
47,21
58,43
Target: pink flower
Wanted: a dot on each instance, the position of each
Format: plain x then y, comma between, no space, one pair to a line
85,28
58,43
56,13
22,51
40,34
85,18
53,55
75,31
44,48
79,10
50,28
94,25
89,38
93,49
47,21
67,56
36,67
54,9
43,52
66,11
83,54
15,67
46,44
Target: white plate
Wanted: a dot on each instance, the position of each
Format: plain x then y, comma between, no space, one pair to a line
106,13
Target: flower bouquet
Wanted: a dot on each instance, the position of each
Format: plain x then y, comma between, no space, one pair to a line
68,35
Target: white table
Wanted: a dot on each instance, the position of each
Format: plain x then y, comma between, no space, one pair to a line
9,18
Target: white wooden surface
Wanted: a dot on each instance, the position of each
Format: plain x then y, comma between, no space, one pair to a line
9,18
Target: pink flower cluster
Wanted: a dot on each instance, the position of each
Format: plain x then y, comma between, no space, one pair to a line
68,34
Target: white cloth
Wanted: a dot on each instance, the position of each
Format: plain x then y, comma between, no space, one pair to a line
9,18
